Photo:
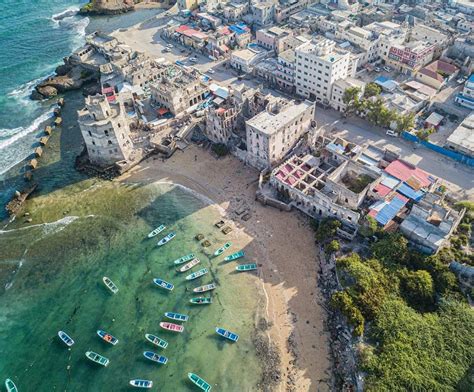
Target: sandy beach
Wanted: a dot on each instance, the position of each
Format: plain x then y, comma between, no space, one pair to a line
280,242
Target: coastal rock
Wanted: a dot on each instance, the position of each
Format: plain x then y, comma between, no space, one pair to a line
43,92
107,7
63,69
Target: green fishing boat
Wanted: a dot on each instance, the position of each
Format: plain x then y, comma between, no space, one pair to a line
196,380
97,358
10,385
222,249
201,301
235,256
184,259
246,267
156,340
197,274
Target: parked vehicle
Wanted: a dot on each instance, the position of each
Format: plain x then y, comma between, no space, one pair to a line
377,69
211,71
388,69
170,46
391,133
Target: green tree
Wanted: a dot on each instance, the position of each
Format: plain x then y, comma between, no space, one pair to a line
405,123
342,301
351,99
392,249
418,289
371,90
333,246
327,229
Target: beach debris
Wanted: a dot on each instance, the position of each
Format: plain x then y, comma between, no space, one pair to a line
38,152
58,121
199,237
226,230
206,244
33,163
219,224
15,204
61,102
48,130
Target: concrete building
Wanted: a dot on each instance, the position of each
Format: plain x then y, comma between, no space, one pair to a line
437,74
365,39
462,138
421,32
273,38
179,90
466,97
338,89
222,121
319,63
272,133
285,73
263,13
243,60
409,57
105,130
285,8
388,34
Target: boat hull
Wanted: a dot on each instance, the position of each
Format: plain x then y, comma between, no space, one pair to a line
65,338
156,340
172,327
145,384
199,382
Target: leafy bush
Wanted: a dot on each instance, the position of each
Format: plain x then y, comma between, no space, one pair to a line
327,228
220,149
343,302
333,246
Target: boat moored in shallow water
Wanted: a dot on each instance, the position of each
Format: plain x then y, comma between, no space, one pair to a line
246,267
197,274
107,337
137,383
189,265
156,340
10,385
201,301
222,249
171,327
235,256
97,358
199,382
166,239
176,316
184,259
110,285
164,285
206,287
227,334
157,231
155,357
65,338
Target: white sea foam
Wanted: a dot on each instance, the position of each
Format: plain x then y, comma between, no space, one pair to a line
48,227
71,11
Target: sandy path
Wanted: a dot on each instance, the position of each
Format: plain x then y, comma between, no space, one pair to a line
282,242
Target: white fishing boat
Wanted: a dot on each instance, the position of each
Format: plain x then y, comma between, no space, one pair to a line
157,231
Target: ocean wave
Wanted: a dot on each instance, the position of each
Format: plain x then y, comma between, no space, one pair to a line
22,93
48,227
71,11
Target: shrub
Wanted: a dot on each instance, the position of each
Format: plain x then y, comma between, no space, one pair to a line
333,246
343,302
220,149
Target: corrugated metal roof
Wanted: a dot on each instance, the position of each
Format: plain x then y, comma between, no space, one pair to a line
390,210
409,192
404,172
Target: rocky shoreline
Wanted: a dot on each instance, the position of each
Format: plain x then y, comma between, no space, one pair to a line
114,7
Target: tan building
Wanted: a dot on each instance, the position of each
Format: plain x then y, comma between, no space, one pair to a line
272,133
105,130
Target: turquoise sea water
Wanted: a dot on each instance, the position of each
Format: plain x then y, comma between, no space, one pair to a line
53,275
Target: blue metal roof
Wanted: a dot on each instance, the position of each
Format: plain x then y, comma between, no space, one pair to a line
409,192
471,78
382,79
387,213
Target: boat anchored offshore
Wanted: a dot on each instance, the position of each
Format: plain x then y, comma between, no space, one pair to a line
197,274
189,265
184,259
164,285
222,249
110,285
155,357
157,231
176,316
246,267
107,337
227,334
145,384
65,338
166,239
97,358
201,301
235,256
171,327
200,382
206,287
156,340
10,385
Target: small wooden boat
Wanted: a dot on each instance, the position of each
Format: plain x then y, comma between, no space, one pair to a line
227,334
65,338
166,239
97,358
156,340
246,267
219,224
206,287
176,316
189,265
137,383
10,385
184,259
107,337
201,383
222,249
199,237
164,285
110,285
155,357
235,256
171,327
201,301
157,231
197,274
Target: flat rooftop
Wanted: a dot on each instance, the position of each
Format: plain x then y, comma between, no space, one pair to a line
463,135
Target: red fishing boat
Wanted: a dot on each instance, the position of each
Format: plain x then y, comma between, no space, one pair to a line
172,327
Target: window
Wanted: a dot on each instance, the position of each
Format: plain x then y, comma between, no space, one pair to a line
90,134
109,142
93,143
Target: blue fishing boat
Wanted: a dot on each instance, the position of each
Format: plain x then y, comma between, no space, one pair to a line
176,316
246,267
197,274
199,382
65,338
166,239
164,285
235,256
107,337
227,334
145,384
157,231
183,259
155,357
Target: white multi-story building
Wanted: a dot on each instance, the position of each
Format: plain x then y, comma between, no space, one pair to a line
272,133
319,63
105,130
466,97
285,73
367,40
339,88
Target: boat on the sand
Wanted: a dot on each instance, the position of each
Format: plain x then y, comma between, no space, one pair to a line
171,327
197,274
166,239
97,358
222,249
107,337
189,265
156,340
65,338
184,259
235,256
157,231
110,285
227,334
246,267
206,287
163,284
199,382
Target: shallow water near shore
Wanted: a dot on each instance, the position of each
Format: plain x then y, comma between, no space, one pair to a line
53,278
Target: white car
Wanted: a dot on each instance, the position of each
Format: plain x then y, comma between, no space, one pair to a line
388,69
170,46
391,133
377,69
193,59
211,71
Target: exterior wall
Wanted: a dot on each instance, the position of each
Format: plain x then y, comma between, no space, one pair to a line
105,131
220,124
403,59
285,75
179,99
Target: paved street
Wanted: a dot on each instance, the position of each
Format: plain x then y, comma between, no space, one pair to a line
358,131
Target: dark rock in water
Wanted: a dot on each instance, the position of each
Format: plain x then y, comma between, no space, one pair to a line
109,7
36,96
63,69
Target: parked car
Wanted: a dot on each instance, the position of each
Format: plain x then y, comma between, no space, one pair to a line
193,59
391,133
183,50
377,69
211,71
387,68
170,46
461,80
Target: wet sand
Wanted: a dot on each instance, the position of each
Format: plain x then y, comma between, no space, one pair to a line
281,243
